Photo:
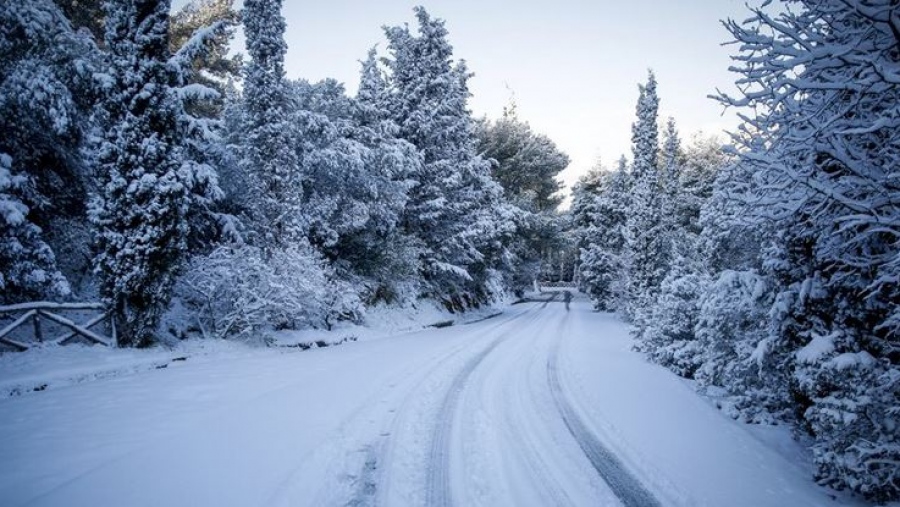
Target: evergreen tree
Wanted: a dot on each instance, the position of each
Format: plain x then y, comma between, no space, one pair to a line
268,151
356,179
455,209
822,147
149,187
646,245
48,87
389,256
29,265
372,95
214,67
526,164
671,165
584,202
668,334
671,158
604,240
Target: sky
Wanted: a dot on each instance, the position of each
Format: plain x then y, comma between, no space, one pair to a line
572,65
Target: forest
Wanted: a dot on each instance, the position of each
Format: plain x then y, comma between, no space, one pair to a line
199,192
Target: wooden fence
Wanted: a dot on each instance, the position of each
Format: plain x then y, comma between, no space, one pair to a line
42,312
558,285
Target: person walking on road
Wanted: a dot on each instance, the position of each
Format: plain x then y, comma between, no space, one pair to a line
567,297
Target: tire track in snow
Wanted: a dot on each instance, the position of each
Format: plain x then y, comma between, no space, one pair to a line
360,435
620,480
438,487
528,442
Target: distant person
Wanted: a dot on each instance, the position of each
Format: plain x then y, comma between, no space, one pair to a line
567,297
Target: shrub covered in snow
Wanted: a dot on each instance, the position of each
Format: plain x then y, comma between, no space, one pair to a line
852,401
668,335
731,331
245,292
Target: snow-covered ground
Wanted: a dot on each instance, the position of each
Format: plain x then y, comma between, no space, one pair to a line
537,406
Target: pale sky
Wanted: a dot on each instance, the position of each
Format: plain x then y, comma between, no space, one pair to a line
574,65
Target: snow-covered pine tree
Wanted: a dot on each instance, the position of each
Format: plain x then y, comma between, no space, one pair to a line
704,158
268,151
48,87
356,178
372,94
672,159
147,182
28,265
670,168
820,80
455,209
584,202
604,240
646,241
385,255
214,67
526,164
668,335
731,323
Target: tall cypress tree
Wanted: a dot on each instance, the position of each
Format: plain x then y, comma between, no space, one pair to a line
146,188
269,157
645,246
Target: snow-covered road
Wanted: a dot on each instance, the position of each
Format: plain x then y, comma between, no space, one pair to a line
538,406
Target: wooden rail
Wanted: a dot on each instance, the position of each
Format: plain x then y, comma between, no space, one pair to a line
37,311
558,285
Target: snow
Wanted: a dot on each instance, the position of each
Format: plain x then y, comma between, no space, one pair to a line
816,349
463,414
849,360
689,451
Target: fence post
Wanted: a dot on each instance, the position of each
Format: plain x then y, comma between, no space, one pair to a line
36,321
112,327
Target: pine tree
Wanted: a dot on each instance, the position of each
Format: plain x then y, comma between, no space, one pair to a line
49,83
372,94
28,264
213,66
668,334
269,158
646,245
672,158
526,163
455,209
355,184
604,240
147,183
823,149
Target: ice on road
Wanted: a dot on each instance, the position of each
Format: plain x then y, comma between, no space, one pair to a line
539,406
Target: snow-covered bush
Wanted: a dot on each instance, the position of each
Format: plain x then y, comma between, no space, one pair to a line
854,414
668,335
732,334
245,292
